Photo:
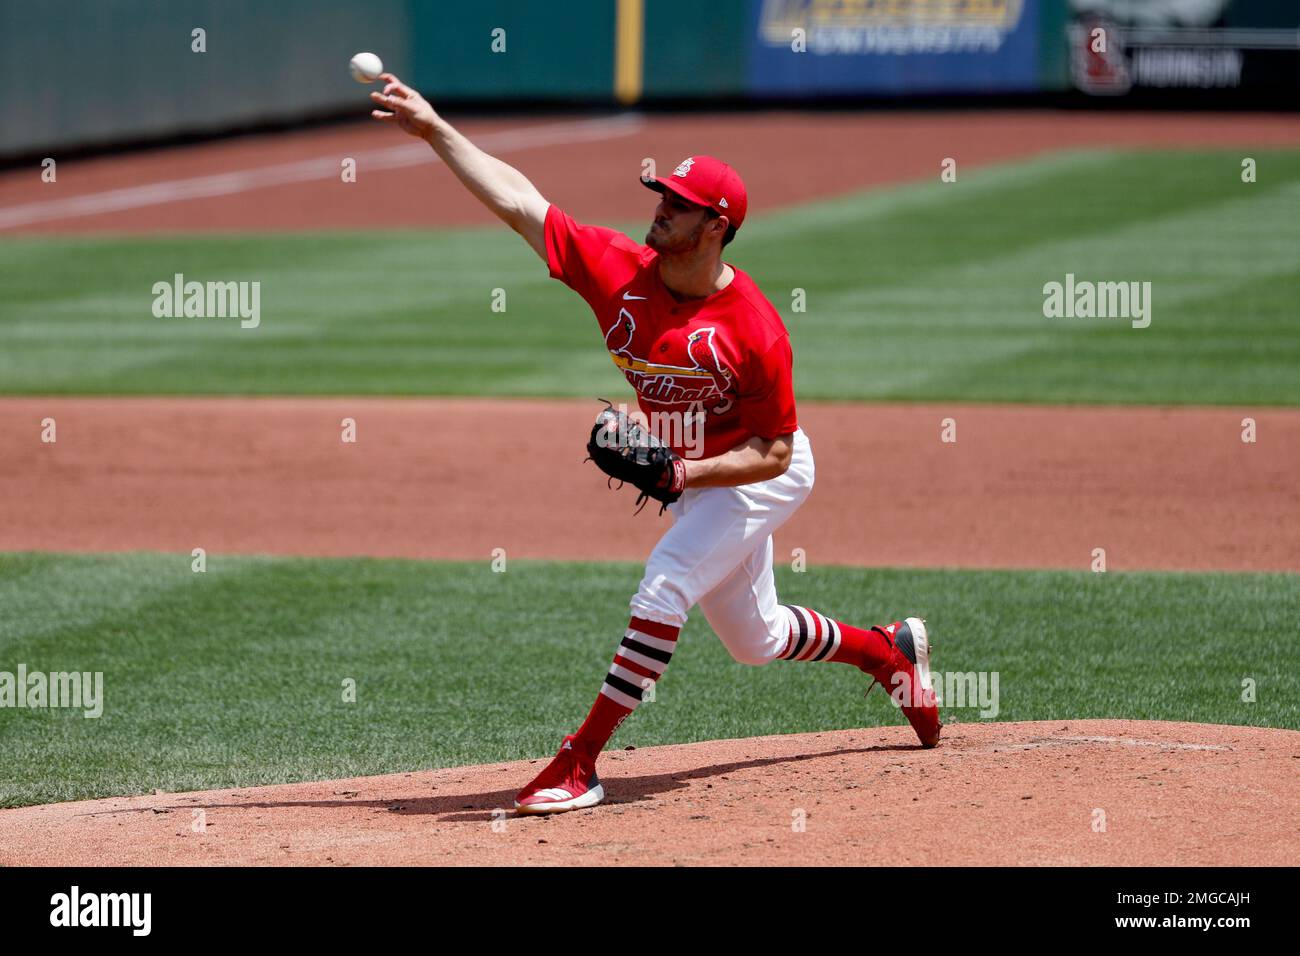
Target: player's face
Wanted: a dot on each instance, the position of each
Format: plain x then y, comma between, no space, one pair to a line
678,226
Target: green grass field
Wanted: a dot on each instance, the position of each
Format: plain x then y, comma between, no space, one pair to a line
235,677
926,291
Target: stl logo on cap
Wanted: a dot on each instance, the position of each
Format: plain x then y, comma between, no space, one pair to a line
684,167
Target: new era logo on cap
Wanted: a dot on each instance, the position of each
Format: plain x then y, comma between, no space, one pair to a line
699,179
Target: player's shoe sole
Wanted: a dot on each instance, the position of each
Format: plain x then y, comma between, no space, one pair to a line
555,801
912,641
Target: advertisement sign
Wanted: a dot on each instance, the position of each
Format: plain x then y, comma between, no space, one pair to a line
893,46
1118,46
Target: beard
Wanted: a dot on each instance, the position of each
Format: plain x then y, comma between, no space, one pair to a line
672,245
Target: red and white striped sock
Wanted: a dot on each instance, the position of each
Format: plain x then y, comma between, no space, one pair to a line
644,653
816,637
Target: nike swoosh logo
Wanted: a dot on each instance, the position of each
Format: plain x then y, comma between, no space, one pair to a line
629,295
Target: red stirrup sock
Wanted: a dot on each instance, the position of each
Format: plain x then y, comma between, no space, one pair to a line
646,649
816,637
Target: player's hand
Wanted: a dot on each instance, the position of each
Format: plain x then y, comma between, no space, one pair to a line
403,106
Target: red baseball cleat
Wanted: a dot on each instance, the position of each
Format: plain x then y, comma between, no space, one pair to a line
569,782
907,677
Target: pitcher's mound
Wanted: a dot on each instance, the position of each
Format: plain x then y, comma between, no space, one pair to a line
1052,792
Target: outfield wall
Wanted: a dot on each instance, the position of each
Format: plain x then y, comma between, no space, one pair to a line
102,73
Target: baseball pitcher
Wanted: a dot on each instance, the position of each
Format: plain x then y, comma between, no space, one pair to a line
702,347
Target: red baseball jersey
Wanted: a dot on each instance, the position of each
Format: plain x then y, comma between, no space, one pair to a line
726,356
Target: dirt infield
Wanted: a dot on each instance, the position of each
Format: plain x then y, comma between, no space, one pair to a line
1085,792
1022,487
588,165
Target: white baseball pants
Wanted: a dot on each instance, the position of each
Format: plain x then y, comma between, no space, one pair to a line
718,554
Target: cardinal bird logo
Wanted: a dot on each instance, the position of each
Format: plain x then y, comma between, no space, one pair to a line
619,336
699,346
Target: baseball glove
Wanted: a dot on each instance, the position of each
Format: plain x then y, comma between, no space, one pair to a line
625,451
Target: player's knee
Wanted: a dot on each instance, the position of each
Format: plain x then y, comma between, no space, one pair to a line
750,642
658,599
751,659
751,654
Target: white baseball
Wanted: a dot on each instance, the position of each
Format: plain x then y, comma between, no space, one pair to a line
365,67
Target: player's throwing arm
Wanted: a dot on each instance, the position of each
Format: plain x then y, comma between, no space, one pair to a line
499,186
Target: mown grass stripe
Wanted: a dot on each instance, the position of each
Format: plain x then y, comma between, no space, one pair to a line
235,677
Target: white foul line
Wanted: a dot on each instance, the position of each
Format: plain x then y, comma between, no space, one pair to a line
1123,741
307,170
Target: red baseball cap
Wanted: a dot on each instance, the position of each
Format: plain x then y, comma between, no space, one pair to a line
709,182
